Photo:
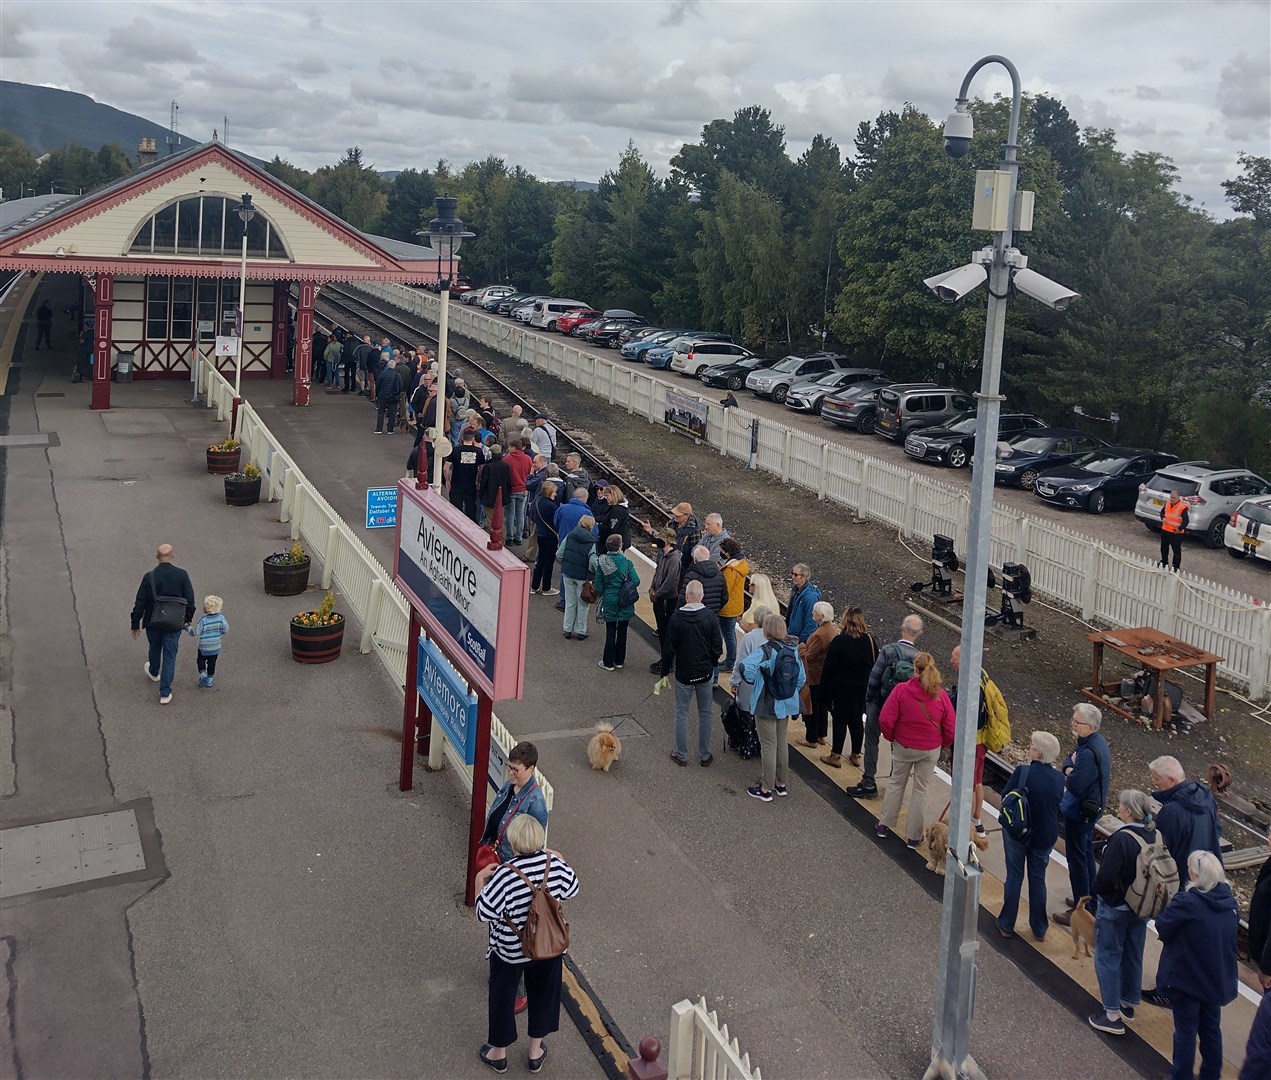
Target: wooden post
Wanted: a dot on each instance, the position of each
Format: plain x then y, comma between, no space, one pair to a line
304,343
103,286
480,765
410,710
1096,677
278,339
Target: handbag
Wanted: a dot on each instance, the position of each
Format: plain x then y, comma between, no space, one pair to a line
487,851
588,594
546,931
167,613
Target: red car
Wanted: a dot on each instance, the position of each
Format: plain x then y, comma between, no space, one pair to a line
570,319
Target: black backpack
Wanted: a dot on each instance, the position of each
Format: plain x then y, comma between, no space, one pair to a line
628,591
783,676
739,732
1014,816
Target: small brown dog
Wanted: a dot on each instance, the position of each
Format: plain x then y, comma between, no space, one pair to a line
1082,927
605,747
937,836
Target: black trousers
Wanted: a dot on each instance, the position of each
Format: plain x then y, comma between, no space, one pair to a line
542,576
542,987
385,407
207,664
1171,542
350,370
848,709
615,654
466,501
816,722
663,609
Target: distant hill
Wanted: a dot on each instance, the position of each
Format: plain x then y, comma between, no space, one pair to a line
46,119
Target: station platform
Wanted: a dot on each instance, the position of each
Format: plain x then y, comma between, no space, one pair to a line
308,919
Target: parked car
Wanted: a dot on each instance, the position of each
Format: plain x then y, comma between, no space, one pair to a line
694,355
1243,533
607,332
524,312
510,303
854,406
1104,479
733,376
567,323
904,409
459,286
637,347
585,326
775,382
548,312
1212,495
494,299
486,292
637,333
1032,452
659,357
952,443
808,394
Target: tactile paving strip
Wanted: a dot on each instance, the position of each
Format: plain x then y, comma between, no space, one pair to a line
69,852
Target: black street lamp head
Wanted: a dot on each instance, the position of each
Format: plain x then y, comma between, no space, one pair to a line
446,232
246,211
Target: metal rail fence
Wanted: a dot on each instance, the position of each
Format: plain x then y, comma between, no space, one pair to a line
1103,582
347,564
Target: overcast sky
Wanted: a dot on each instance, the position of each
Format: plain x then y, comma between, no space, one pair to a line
560,88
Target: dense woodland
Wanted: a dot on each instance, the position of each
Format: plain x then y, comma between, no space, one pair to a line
1171,330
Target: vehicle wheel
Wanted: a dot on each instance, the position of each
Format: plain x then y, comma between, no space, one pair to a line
1237,553
1027,479
1215,535
865,425
780,394
957,457
1098,502
816,407
550,327
736,382
612,343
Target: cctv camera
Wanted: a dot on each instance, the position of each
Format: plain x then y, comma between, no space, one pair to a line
955,284
1050,293
958,130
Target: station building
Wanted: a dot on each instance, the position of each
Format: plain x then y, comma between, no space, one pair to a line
159,255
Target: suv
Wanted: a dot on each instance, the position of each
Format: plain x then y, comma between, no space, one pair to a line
775,382
693,356
808,394
902,409
1105,479
1212,495
1244,531
854,406
953,442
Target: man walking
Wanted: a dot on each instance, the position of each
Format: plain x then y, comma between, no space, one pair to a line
1089,773
692,647
895,664
44,325
159,610
333,355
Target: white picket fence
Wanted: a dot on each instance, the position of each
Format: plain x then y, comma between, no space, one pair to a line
347,565
700,1047
1106,584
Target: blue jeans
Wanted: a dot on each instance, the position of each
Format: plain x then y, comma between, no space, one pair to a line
728,627
1119,936
684,695
1017,855
516,518
163,657
576,611
1194,1017
1079,849
333,374
456,429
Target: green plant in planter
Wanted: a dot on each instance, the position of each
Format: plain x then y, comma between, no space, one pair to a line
326,615
250,472
227,447
293,556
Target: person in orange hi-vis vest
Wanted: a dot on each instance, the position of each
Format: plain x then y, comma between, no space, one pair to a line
1173,525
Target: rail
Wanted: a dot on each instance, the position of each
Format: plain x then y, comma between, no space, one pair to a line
1103,582
700,1047
347,563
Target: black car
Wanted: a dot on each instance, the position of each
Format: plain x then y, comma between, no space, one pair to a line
608,331
586,327
1030,454
733,376
953,443
509,303
1104,479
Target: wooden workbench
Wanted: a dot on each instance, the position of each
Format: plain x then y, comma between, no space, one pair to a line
1155,651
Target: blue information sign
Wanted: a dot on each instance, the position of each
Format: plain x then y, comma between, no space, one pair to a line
453,706
381,508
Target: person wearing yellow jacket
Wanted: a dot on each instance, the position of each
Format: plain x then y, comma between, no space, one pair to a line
736,570
993,732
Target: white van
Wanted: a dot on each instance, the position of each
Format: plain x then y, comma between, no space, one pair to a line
547,311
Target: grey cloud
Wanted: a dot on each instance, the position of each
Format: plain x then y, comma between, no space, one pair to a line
1147,93
313,64
442,94
143,40
678,11
1244,96
14,23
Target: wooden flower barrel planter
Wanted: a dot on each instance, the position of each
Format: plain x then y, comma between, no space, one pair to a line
286,579
223,462
242,492
317,644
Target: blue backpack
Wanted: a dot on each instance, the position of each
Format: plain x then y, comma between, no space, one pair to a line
1014,815
783,672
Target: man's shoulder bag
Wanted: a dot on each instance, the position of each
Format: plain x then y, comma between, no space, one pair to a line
546,931
167,613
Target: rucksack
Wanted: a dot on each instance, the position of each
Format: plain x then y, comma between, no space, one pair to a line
167,613
783,675
900,670
1155,878
1013,815
739,732
628,591
546,931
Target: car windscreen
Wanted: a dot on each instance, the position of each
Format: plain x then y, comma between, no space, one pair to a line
790,363
1167,483
830,378
1255,512
1096,461
960,425
1033,445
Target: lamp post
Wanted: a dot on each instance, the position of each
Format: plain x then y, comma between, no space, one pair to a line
1002,210
445,235
245,214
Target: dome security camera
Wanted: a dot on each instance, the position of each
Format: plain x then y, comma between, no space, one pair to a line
958,131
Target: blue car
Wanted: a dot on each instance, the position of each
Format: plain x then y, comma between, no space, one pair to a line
635,350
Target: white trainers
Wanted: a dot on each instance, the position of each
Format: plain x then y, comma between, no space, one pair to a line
165,699
551,592
145,666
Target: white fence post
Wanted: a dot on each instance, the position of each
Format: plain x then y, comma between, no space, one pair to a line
907,525
1090,585
372,615
1261,654
1021,540
679,1051
328,556
1169,608
823,479
785,458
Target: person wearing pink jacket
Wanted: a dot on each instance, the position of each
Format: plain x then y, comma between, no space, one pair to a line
917,719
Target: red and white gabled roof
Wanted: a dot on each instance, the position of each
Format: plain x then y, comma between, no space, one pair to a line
92,234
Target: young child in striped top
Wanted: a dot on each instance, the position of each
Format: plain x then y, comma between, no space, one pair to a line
209,630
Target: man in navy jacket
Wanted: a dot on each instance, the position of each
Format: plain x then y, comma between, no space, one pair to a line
1188,818
1089,773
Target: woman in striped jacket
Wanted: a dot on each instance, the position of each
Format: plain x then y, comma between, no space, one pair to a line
504,903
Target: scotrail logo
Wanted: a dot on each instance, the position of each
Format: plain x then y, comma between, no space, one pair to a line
470,641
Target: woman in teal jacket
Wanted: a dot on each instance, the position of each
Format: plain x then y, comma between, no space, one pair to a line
613,569
772,714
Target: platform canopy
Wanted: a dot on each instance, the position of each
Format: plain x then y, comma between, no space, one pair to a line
177,217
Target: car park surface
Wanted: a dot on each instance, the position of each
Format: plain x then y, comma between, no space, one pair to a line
953,442
1103,479
1032,452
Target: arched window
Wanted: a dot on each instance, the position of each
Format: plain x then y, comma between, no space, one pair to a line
207,225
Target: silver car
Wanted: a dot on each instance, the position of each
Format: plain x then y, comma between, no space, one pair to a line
775,382
808,394
1212,495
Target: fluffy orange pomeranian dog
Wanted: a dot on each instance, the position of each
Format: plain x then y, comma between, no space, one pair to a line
604,748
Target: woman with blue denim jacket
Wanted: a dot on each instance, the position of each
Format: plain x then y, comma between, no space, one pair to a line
772,716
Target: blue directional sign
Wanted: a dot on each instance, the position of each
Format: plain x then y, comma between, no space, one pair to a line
453,706
381,508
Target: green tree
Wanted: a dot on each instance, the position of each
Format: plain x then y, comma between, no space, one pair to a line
18,166
411,200
289,174
750,146
630,254
73,169
351,190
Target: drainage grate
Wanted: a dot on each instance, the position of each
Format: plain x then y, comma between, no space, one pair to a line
50,393
69,852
